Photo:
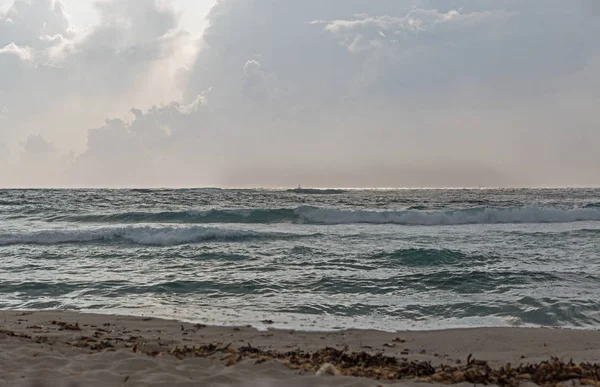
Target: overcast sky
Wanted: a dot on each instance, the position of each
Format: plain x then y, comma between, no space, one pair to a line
272,93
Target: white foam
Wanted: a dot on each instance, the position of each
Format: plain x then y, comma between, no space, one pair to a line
161,236
525,214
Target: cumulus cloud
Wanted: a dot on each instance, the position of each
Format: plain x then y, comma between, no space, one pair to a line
338,92
159,147
31,23
23,53
59,81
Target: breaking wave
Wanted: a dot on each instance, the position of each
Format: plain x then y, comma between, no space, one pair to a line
325,216
154,236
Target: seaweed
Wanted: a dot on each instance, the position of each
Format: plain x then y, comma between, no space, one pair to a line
334,361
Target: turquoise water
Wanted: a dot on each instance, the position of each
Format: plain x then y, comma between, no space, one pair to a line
385,259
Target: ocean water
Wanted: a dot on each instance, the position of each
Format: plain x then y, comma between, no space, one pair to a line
312,260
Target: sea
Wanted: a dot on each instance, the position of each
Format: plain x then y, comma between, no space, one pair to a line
308,259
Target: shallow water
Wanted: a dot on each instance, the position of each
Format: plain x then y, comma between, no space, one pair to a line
385,259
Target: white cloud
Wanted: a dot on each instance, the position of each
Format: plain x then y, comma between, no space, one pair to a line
70,79
251,67
23,53
26,22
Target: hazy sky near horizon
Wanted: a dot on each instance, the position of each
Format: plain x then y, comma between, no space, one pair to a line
338,93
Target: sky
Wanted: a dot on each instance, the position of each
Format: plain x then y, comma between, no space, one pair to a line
323,93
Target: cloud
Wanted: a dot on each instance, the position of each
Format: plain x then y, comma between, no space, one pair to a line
430,49
158,147
30,23
37,145
338,92
254,86
37,164
332,86
66,80
23,53
417,21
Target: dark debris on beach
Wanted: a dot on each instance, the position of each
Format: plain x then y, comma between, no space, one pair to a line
359,364
380,367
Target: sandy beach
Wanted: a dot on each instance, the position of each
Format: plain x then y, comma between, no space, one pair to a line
63,348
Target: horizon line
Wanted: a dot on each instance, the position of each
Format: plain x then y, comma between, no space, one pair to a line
280,188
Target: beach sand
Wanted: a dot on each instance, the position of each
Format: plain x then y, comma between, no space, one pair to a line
72,349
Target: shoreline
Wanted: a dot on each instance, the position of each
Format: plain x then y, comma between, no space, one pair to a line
102,349
276,325
283,321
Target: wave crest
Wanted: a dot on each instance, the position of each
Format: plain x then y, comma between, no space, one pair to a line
267,215
330,216
157,236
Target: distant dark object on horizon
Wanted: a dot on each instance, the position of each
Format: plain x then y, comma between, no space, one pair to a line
316,191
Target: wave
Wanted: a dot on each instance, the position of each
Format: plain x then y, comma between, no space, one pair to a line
525,214
555,233
428,257
153,236
328,216
209,216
